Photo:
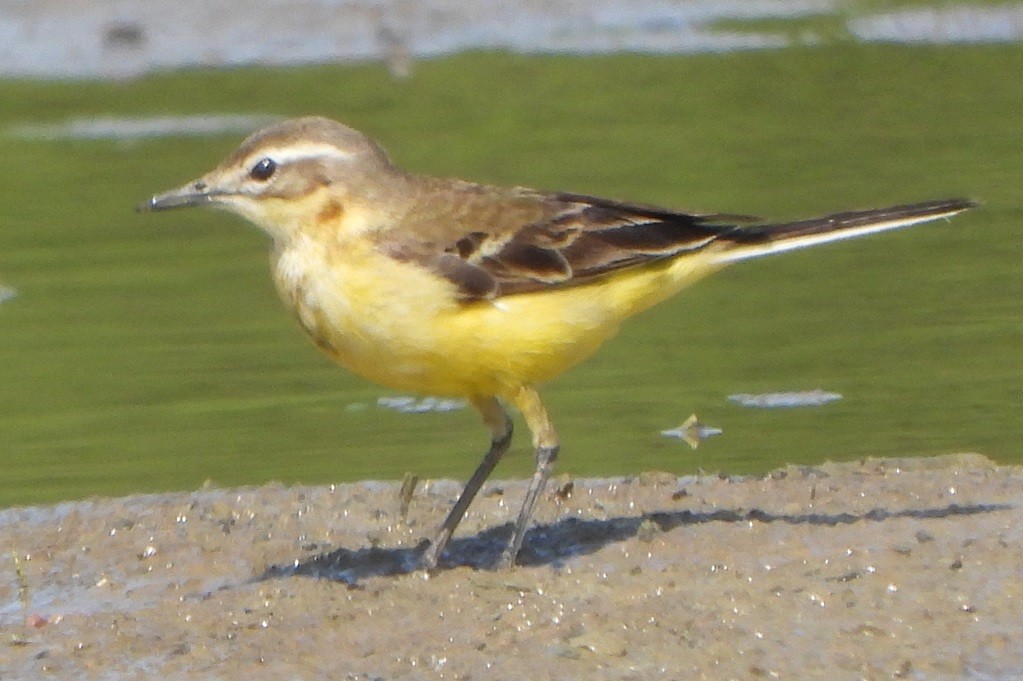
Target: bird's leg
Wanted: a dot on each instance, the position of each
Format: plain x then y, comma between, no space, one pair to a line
500,425
545,441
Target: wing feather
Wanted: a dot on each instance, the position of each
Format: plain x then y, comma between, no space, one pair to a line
491,242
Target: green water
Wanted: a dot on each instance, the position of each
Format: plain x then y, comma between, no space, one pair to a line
148,352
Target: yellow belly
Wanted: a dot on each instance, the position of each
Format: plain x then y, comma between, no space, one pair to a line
401,326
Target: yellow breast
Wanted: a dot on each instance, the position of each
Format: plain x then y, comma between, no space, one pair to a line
402,326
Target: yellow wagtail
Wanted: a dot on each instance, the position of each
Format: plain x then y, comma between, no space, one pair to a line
446,287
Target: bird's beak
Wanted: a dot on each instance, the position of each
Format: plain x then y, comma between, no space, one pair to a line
192,194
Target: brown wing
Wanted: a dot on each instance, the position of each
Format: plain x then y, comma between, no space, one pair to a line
492,242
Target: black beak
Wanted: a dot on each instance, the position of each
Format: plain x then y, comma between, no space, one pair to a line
192,194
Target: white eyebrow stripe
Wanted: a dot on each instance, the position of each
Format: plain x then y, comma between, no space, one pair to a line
301,152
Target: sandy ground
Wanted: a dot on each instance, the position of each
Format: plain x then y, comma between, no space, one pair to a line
882,569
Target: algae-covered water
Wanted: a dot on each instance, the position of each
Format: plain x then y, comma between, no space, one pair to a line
149,352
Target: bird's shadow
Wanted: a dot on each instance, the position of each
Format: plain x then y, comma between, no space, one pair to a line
568,538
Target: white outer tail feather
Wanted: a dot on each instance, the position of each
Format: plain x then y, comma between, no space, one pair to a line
833,229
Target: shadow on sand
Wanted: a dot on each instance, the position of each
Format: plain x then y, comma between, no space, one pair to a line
552,544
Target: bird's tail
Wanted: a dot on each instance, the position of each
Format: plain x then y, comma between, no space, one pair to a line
753,242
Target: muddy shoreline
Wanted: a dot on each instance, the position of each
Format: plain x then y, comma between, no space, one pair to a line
904,568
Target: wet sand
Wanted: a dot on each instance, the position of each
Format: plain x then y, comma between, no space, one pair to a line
906,568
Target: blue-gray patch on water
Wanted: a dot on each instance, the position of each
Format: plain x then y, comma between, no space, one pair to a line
132,128
97,39
406,404
956,24
785,400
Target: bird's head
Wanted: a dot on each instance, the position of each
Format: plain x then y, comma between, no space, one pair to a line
291,175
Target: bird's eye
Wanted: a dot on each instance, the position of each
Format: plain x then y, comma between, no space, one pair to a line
263,170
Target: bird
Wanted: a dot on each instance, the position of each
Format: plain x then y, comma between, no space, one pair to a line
447,287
